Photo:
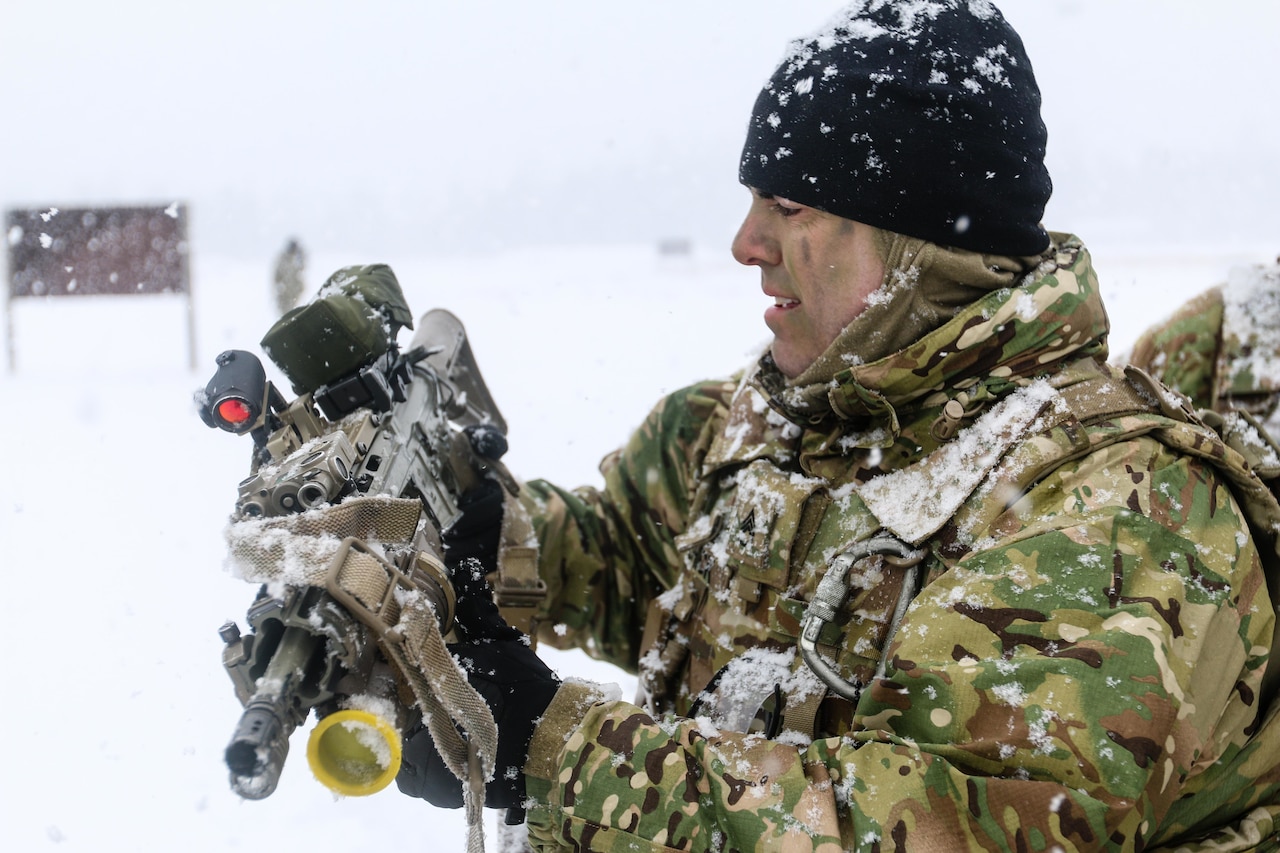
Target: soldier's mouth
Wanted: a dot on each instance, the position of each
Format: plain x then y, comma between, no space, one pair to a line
782,305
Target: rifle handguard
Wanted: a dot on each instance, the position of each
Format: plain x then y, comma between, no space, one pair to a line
260,743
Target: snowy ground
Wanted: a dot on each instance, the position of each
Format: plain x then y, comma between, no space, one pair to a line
115,496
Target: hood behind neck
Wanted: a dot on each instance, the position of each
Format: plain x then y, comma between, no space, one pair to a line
925,285
1009,324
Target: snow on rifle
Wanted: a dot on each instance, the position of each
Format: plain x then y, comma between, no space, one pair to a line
340,519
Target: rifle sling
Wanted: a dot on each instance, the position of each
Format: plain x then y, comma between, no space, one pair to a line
390,604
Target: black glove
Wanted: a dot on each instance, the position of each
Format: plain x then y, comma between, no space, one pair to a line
470,553
518,687
471,547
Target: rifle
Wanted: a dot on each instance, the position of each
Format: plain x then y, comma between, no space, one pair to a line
396,436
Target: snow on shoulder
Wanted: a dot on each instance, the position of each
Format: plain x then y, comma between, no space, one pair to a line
1251,314
913,503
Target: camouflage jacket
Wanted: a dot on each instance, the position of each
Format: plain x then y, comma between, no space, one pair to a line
1081,667
1222,348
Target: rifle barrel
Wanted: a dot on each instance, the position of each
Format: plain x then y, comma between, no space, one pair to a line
260,743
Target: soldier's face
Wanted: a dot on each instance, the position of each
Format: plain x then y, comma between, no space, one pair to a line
818,268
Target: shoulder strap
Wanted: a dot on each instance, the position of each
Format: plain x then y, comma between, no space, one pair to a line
1107,397
1024,435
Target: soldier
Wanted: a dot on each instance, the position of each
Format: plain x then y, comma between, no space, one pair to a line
1222,348
288,283
930,574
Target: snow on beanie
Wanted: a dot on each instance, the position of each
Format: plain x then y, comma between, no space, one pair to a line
920,117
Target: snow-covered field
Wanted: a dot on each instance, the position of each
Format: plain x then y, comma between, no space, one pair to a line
115,495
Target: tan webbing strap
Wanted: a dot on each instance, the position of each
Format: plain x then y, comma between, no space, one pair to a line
802,716
518,589
297,549
401,616
1108,397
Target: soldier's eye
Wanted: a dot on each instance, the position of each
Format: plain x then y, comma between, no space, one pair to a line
782,206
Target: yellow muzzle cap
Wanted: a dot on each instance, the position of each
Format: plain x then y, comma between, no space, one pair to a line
354,753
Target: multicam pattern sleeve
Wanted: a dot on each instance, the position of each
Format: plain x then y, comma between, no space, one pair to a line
1043,693
606,553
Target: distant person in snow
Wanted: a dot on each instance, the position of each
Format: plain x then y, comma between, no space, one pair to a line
931,574
289,284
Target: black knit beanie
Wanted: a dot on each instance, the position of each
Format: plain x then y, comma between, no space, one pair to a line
920,118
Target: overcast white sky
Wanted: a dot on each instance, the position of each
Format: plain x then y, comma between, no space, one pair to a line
398,124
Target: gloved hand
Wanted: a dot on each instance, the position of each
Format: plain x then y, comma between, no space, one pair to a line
518,687
470,553
498,661
471,549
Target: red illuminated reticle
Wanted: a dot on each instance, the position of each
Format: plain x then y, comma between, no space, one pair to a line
235,412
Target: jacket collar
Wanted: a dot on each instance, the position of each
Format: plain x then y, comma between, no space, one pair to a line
998,342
